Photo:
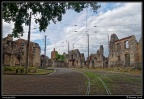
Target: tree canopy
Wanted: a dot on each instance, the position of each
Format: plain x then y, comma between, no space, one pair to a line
18,13
59,57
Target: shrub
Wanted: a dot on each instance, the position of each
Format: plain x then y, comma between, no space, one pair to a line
8,68
32,69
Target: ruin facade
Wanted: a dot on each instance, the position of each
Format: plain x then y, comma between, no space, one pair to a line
76,59
124,52
45,61
55,62
98,59
14,52
53,54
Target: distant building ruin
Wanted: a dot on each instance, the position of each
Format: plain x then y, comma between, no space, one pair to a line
53,54
55,62
98,59
76,59
124,52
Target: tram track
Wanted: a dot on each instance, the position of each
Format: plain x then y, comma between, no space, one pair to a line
96,78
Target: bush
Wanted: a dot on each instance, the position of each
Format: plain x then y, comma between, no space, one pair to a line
8,68
32,69
20,67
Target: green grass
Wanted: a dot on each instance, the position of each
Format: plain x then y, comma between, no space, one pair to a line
127,70
96,86
119,83
38,72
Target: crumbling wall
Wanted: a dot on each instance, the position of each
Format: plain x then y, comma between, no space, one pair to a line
97,60
123,52
75,58
14,52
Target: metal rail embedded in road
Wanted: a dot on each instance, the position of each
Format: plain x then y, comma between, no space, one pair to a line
106,88
89,83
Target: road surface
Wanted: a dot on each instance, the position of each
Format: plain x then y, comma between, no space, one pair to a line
63,81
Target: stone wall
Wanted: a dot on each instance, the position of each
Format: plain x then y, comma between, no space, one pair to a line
14,52
76,59
53,54
97,59
123,52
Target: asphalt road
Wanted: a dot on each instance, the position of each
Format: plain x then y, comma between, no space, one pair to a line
64,81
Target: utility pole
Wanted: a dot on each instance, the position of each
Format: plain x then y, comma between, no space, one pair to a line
45,54
27,49
88,49
108,44
68,53
88,36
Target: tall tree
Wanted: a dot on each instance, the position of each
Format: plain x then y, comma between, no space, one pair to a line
18,13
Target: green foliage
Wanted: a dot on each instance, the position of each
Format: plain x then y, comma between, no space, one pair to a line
59,57
32,69
20,67
18,13
8,68
12,68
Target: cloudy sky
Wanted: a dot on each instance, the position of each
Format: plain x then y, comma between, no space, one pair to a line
122,18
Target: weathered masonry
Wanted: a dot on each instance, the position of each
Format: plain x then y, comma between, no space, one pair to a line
124,52
54,62
14,52
76,59
98,59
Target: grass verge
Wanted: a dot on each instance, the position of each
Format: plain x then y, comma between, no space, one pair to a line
38,72
118,83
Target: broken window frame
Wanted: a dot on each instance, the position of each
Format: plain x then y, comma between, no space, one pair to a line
126,44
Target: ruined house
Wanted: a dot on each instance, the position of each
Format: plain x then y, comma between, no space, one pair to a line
45,61
11,53
76,59
65,57
98,59
14,52
140,51
55,62
124,52
53,54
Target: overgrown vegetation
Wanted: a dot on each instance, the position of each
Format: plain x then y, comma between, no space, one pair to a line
118,83
21,70
59,57
95,84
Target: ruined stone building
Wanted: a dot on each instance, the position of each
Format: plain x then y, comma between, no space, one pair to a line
140,50
56,63
76,59
11,53
53,54
65,57
45,61
124,52
14,52
98,59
